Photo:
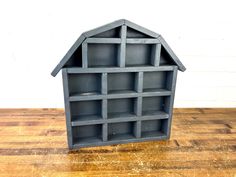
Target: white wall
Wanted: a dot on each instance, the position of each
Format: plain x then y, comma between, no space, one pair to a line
35,35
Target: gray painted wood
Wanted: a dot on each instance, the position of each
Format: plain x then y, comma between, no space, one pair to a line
68,55
118,70
122,94
121,56
67,108
142,29
103,40
142,41
156,54
85,55
104,108
104,83
119,23
172,54
104,132
119,86
171,83
158,115
104,28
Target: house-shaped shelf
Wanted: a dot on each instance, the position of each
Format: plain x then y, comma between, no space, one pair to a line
119,84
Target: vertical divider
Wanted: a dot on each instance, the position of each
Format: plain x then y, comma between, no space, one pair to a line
104,83
156,54
138,112
122,52
138,106
137,129
67,107
171,83
104,108
84,54
139,82
104,132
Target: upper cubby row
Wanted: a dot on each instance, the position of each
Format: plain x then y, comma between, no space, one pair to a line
108,55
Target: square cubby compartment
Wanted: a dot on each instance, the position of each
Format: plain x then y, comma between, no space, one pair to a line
87,134
121,83
154,105
86,110
154,128
121,131
103,55
84,84
121,108
139,54
157,81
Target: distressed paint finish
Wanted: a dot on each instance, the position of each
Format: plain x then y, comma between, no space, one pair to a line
33,143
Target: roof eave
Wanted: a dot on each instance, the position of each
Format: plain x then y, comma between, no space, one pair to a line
177,61
68,55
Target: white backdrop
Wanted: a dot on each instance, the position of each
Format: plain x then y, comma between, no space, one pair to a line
35,35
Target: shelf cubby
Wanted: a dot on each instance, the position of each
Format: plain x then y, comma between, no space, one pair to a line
154,128
155,105
121,131
84,84
139,55
103,55
87,134
157,81
121,108
121,82
86,110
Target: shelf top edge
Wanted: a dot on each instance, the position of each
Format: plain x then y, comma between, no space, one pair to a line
77,70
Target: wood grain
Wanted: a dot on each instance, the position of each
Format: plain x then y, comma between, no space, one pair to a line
202,143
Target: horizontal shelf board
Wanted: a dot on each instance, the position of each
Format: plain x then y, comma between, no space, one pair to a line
128,118
77,70
120,137
156,92
142,41
152,134
103,40
118,94
154,113
85,94
119,141
86,117
99,97
120,115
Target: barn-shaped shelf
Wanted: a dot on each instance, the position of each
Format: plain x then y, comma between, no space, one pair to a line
119,84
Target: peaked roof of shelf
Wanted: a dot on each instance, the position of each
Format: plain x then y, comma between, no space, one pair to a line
110,26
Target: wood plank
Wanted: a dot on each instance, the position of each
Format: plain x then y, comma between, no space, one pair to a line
103,40
122,48
33,143
142,41
116,69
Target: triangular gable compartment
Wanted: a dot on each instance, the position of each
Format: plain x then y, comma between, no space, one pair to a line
132,33
112,33
165,58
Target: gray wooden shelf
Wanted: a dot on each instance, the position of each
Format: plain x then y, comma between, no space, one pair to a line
119,86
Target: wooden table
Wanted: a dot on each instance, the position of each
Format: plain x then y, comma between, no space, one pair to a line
33,143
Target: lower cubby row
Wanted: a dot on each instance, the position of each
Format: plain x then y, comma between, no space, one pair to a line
118,108
90,134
